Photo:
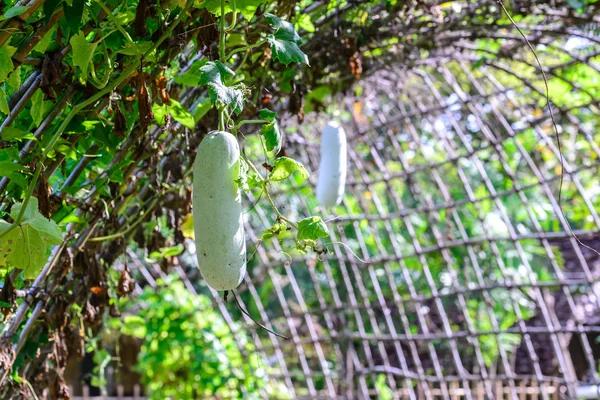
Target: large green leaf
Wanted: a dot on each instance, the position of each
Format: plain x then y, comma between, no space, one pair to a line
39,107
175,110
6,64
73,14
8,167
181,114
27,247
213,74
83,52
284,167
310,230
10,133
49,7
285,41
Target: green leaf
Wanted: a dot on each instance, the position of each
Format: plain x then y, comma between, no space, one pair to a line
43,44
165,252
192,76
6,64
248,180
270,131
181,114
246,7
275,230
4,304
160,113
213,74
49,7
4,102
203,107
19,179
284,167
14,79
15,11
8,167
136,48
267,114
27,247
71,218
284,42
39,107
134,325
175,110
83,51
73,15
304,22
477,64
187,227
10,133
312,228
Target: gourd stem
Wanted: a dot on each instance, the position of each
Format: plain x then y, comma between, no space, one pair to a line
279,215
249,121
128,229
222,33
221,120
244,48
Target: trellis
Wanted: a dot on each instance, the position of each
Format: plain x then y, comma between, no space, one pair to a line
388,313
370,332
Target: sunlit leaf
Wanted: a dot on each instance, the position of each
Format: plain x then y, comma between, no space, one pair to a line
6,64
28,246
284,167
270,131
285,41
83,52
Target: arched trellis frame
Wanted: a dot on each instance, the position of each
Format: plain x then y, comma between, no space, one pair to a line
446,133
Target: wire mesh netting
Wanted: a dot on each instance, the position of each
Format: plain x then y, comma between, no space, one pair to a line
453,265
451,261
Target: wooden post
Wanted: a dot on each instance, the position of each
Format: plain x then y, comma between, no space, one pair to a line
136,392
536,390
86,392
499,389
556,390
454,390
522,391
480,391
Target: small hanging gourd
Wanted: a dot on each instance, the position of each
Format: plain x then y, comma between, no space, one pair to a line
332,168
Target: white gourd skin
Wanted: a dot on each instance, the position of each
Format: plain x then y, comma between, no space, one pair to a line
332,168
218,219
